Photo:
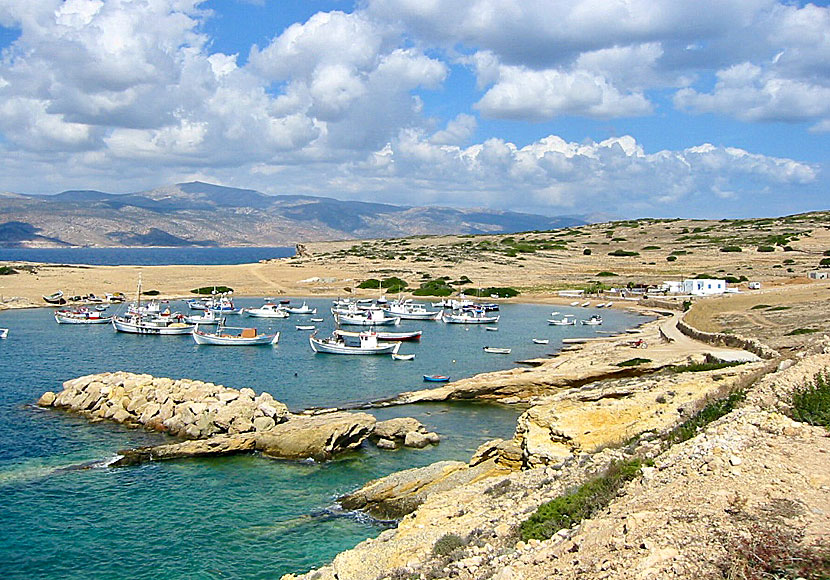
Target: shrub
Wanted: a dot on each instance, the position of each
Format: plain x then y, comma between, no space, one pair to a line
671,258
606,273
651,248
811,402
633,362
712,411
731,249
586,252
583,502
701,367
207,290
760,306
434,288
825,262
766,249
623,253
798,331
7,270
500,292
151,293
447,544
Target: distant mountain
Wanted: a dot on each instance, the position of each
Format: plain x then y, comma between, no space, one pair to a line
204,214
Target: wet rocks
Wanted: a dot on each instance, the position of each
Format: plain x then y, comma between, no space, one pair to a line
404,431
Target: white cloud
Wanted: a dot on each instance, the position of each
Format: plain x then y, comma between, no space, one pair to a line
458,131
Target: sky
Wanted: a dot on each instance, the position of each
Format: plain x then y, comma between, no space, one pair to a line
619,108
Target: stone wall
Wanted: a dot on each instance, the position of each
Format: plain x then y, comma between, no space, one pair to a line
729,340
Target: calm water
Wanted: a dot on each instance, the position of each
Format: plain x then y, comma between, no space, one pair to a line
143,256
238,517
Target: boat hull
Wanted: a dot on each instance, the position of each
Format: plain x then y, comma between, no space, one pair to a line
219,340
67,319
463,319
143,328
326,347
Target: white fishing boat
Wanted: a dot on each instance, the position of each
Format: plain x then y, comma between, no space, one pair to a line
223,306
316,319
586,304
414,335
595,320
564,321
575,303
139,321
304,309
234,336
267,311
541,341
55,298
369,318
4,332
81,316
494,350
396,356
368,344
305,327
196,304
410,311
469,317
209,317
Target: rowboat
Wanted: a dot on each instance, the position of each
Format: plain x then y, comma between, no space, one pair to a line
304,309
55,298
469,318
595,320
492,328
81,316
494,350
267,311
236,337
367,344
4,332
541,340
305,327
386,336
564,321
396,356
436,378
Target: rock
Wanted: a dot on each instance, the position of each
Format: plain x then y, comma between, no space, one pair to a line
263,423
385,444
220,445
47,399
316,436
416,440
398,428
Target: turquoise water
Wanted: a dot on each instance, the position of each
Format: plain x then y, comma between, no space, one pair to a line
236,517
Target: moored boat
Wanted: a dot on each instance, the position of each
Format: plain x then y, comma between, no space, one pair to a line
595,320
304,309
386,336
81,316
370,318
494,350
396,356
541,341
410,311
564,321
209,317
4,332
368,344
234,336
469,317
267,311
55,298
436,378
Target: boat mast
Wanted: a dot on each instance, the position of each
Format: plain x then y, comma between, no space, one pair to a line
138,295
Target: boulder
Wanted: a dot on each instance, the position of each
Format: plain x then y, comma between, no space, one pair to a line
385,444
398,428
316,436
263,423
47,399
416,440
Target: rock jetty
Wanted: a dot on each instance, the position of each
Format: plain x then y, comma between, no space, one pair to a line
212,419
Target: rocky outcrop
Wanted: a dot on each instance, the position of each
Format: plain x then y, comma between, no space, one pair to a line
405,431
215,420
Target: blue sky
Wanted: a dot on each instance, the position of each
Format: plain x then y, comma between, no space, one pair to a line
626,108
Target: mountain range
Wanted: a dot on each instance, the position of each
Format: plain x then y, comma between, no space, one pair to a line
202,214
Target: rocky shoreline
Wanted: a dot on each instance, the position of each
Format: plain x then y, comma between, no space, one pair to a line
210,419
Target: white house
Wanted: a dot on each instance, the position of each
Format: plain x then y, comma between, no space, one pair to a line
817,275
704,287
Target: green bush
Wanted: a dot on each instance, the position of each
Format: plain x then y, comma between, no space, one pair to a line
7,270
447,544
671,258
209,290
500,292
370,283
731,249
766,249
701,367
824,262
623,253
760,306
586,252
811,402
606,273
151,293
651,248
798,331
712,411
632,362
434,288
581,503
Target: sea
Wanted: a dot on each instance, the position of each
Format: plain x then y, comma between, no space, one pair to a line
144,256
65,514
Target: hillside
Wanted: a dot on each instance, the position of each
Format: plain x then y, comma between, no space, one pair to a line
201,214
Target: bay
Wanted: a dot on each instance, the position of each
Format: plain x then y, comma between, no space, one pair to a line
235,517
145,256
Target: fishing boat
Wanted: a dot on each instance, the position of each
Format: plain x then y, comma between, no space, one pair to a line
370,318
140,321
304,309
469,317
223,306
209,317
81,316
196,304
234,336
494,350
267,311
367,344
55,298
541,341
595,320
436,378
4,332
305,327
564,321
408,311
396,356
386,336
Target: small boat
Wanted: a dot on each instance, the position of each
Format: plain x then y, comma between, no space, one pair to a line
410,311
415,335
368,344
138,320
396,356
492,328
575,303
285,301
101,307
595,320
209,317
304,309
224,306
564,321
4,332
305,327
81,316
494,350
436,378
55,298
316,320
466,317
196,305
586,304
267,311
371,318
540,341
236,337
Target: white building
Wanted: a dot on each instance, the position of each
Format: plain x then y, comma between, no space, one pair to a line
696,287
817,275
